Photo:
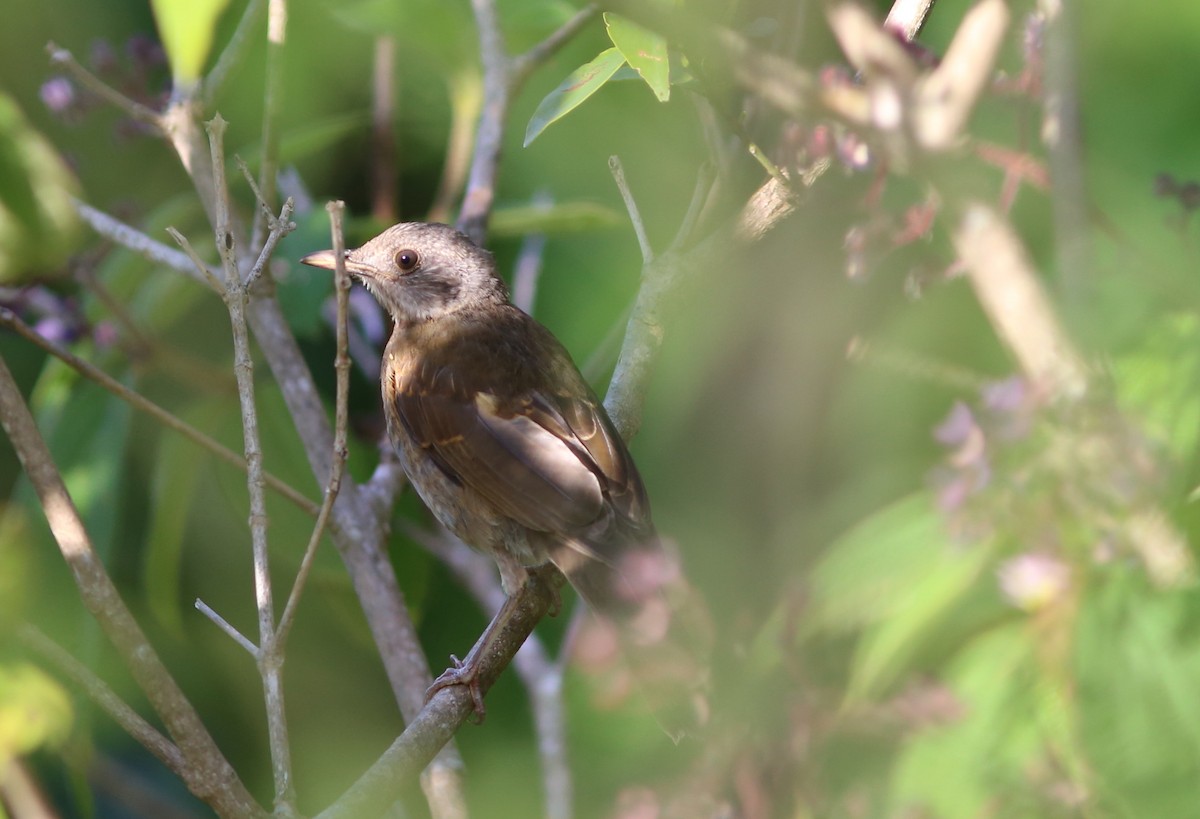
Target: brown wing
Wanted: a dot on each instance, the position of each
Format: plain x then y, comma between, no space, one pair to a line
547,458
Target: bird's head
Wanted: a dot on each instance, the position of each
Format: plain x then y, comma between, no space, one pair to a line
419,271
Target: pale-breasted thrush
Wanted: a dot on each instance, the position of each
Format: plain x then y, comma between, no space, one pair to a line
510,448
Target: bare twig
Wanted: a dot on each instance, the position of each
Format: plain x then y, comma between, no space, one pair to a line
230,630
277,15
1062,134
541,676
644,332
139,402
502,78
64,58
524,64
270,663
436,723
635,216
383,131
207,773
528,267
99,692
340,424
139,242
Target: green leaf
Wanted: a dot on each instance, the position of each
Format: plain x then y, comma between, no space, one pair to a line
898,576
187,28
968,766
34,710
571,92
644,50
38,226
567,217
1158,380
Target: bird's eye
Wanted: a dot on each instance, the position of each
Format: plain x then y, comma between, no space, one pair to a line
407,260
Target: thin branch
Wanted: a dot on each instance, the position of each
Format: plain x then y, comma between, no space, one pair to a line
207,773
635,216
502,78
277,15
383,130
102,695
340,425
541,677
143,404
270,663
1062,133
466,100
528,267
64,58
524,64
132,238
448,709
645,331
489,136
227,627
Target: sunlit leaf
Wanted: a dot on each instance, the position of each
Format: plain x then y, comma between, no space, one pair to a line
645,51
186,28
34,710
581,84
38,225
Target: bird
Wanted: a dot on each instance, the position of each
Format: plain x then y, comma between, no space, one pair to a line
513,452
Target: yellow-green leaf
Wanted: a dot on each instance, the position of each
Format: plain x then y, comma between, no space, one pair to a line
645,51
186,28
571,92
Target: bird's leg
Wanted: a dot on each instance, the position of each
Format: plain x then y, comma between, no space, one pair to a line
546,580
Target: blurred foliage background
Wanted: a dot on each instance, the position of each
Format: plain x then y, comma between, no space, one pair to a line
927,597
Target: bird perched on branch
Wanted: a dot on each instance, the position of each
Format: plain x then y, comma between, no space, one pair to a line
513,452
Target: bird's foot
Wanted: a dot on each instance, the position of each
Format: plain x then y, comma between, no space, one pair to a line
461,674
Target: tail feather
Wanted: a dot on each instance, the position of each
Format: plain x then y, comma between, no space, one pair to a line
663,626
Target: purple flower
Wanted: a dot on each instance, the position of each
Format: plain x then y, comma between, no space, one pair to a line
58,94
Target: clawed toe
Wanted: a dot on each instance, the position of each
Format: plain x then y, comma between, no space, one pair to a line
461,674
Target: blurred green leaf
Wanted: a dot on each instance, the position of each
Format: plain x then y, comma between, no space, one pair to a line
567,217
961,769
571,92
187,28
38,226
645,51
898,577
1138,659
1158,382
310,138
172,494
34,710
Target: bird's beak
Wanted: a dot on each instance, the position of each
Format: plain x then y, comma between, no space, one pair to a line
323,258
